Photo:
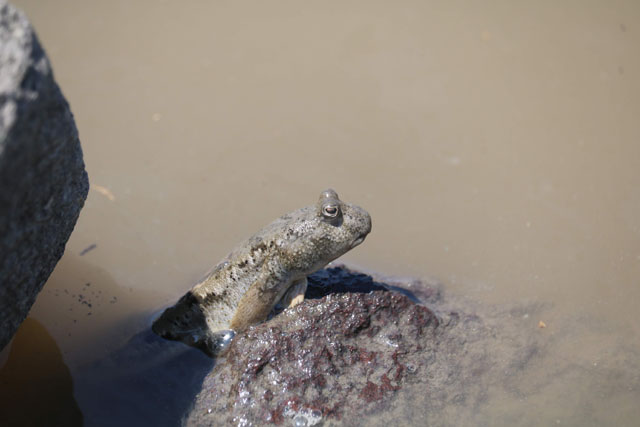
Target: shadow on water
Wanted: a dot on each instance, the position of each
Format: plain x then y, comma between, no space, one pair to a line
35,384
149,381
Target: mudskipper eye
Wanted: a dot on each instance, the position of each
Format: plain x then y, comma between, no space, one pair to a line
330,211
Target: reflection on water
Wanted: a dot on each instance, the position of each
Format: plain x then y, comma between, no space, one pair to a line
87,312
35,383
496,148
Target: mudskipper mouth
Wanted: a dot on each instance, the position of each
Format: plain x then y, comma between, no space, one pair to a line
358,241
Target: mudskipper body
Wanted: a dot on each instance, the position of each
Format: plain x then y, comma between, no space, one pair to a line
269,268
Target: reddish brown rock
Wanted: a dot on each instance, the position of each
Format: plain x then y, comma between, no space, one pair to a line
341,354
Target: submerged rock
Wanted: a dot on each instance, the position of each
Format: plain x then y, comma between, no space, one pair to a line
379,358
43,183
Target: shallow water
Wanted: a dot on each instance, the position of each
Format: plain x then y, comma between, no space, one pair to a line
495,146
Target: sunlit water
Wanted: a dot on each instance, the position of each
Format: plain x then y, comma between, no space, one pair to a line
496,146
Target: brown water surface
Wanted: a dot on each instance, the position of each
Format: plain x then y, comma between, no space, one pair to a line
496,146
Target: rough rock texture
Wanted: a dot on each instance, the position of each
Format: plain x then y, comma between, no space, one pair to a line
361,349
342,351
43,183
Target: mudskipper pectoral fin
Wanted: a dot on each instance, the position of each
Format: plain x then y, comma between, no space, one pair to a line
256,304
295,294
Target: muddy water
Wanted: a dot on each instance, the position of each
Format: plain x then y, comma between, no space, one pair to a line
497,148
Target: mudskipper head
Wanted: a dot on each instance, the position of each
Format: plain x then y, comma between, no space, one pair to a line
337,228
346,221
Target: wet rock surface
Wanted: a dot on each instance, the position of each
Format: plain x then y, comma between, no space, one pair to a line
346,350
350,358
43,183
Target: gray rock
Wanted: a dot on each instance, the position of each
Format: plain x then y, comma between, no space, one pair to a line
43,183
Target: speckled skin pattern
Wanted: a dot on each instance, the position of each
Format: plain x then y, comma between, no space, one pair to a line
268,268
